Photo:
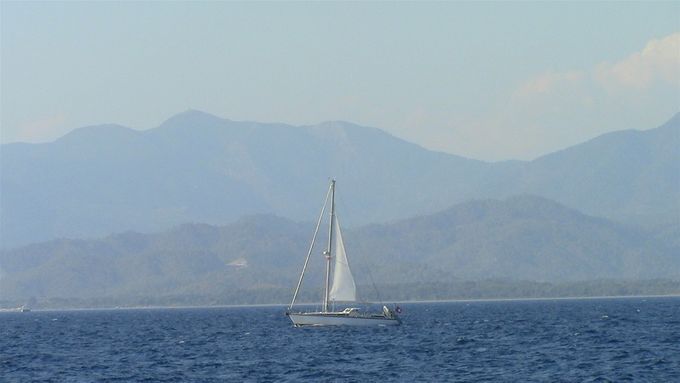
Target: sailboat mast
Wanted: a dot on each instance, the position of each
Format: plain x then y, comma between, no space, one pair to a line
311,248
328,249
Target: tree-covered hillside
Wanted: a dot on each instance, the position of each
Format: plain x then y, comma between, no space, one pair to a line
258,258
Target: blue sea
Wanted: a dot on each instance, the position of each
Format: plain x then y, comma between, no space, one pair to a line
580,340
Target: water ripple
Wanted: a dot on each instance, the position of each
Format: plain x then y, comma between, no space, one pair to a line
563,340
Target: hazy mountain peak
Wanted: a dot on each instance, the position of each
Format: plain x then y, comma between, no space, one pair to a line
674,121
672,125
517,206
192,118
351,135
336,124
97,133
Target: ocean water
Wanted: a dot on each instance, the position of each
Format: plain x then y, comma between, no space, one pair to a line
587,340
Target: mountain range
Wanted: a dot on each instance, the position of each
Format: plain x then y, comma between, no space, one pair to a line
258,258
199,168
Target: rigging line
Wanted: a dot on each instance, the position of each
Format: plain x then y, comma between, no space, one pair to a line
311,248
374,286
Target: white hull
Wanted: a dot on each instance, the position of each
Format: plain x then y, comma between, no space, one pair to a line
336,319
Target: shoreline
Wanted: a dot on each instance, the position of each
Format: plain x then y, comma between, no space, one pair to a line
462,300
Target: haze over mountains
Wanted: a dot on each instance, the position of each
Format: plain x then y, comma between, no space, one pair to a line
228,206
258,259
196,167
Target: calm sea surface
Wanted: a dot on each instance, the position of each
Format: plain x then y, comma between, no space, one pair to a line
598,340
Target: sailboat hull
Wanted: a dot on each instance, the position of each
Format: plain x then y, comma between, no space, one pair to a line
337,319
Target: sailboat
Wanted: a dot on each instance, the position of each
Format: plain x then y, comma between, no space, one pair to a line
338,289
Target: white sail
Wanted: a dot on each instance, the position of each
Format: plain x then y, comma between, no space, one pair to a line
343,288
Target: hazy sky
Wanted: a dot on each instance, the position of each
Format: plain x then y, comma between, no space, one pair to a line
485,80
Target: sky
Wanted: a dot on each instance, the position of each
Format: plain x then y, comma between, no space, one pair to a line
490,81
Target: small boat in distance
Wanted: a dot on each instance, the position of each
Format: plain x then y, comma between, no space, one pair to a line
20,309
342,288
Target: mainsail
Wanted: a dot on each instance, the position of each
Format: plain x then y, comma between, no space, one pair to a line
343,288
